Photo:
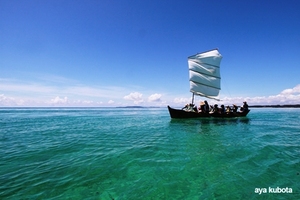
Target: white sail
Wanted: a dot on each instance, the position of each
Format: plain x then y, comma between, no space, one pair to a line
204,71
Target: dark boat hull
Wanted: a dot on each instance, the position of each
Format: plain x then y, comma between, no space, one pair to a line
176,113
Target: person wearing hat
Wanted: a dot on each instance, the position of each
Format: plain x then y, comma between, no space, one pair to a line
202,107
244,108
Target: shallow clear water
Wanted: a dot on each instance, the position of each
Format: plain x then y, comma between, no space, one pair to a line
122,153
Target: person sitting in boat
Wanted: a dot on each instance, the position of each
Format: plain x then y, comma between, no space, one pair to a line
228,109
195,108
206,108
244,108
211,108
190,107
222,109
186,107
235,108
202,107
215,109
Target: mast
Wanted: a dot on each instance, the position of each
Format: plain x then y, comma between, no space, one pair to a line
193,99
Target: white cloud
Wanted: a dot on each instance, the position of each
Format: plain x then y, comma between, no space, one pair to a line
294,91
111,102
182,101
18,101
136,97
154,98
7,101
59,101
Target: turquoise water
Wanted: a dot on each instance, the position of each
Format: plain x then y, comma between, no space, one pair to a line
121,153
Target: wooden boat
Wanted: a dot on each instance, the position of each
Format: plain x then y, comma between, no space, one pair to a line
205,80
177,113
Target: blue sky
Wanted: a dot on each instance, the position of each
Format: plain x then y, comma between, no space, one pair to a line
131,52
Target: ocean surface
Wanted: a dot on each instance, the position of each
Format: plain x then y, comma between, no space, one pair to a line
141,153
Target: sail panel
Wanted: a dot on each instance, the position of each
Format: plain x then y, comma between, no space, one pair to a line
214,62
212,57
204,73
204,68
201,79
205,90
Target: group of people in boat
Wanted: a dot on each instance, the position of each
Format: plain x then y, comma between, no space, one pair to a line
206,108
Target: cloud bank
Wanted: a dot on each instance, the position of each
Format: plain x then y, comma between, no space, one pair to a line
18,94
287,96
